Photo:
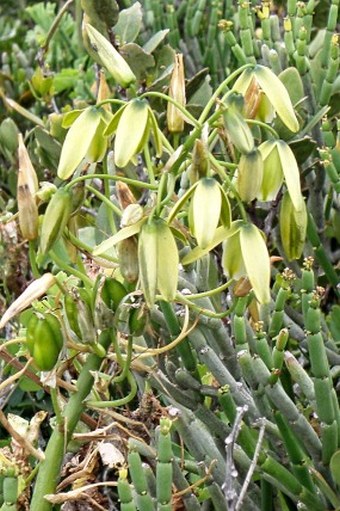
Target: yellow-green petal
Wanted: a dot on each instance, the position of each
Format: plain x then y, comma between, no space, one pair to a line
78,141
291,172
206,210
131,130
256,261
167,261
278,96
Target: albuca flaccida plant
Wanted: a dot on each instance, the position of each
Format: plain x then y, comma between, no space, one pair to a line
182,311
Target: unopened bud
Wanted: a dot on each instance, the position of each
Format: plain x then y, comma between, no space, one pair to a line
175,119
26,188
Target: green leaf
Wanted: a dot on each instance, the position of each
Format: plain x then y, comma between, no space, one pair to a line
155,40
138,59
77,141
256,260
129,24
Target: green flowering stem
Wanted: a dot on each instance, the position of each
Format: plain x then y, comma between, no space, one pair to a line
212,292
108,196
124,364
149,165
56,407
264,126
49,468
32,254
182,348
128,181
117,402
69,269
178,105
105,200
201,310
86,248
219,90
55,25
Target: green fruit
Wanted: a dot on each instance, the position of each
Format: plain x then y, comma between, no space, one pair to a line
44,340
113,293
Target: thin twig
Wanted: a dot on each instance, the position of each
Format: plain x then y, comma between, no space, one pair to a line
252,466
228,486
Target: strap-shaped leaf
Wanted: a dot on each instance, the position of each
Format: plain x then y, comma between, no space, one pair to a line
222,233
78,141
121,235
277,95
256,261
110,58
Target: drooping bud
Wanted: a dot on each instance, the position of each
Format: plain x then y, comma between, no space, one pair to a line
209,206
275,91
78,141
132,132
175,118
245,254
26,189
238,130
158,261
110,58
128,259
249,175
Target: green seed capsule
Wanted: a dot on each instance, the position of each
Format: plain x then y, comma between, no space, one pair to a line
113,293
44,340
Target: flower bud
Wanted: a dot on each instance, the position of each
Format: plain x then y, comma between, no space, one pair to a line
158,261
26,189
238,130
128,259
132,132
110,58
245,254
249,175
175,119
